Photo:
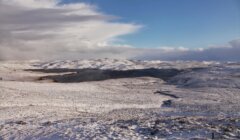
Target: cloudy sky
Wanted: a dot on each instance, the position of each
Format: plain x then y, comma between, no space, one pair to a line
134,29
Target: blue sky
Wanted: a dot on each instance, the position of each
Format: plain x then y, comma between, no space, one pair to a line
174,23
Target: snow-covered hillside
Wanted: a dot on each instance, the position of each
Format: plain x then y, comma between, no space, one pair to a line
118,64
119,99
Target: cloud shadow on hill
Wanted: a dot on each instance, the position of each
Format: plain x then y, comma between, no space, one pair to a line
85,75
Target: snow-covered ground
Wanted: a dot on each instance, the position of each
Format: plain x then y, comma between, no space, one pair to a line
119,99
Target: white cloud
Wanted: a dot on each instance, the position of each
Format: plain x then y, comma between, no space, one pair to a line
44,29
32,3
227,52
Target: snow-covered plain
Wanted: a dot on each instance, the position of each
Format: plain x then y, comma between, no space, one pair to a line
119,99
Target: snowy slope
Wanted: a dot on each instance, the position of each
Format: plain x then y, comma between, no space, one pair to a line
226,75
149,100
118,64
